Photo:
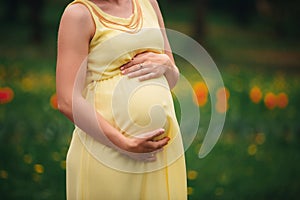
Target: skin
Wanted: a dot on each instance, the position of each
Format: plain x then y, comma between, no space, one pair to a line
154,65
75,33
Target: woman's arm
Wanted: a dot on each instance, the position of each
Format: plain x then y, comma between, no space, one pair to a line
75,32
172,72
154,65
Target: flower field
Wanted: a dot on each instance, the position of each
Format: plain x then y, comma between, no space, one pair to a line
257,156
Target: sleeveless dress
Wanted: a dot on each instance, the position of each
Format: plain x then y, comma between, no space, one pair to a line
95,171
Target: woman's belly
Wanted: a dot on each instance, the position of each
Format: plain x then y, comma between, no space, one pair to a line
135,107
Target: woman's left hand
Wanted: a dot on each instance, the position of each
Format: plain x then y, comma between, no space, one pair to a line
147,65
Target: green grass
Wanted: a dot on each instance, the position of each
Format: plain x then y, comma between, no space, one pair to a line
257,156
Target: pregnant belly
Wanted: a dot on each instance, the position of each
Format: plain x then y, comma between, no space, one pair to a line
136,107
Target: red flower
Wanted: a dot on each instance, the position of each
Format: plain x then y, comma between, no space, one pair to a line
53,101
201,92
255,94
282,100
270,100
6,95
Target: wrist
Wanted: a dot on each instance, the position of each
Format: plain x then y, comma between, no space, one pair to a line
127,144
172,71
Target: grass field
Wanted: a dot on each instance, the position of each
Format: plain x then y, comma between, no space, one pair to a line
257,156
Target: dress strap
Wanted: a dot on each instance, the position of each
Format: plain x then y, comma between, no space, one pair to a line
149,7
131,24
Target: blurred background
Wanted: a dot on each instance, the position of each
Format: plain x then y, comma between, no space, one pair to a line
256,46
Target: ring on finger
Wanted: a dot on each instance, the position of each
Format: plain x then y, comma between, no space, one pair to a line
141,66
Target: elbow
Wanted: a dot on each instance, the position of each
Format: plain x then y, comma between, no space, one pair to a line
177,74
175,78
61,107
64,106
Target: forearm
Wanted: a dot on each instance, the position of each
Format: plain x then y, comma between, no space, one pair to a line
172,76
91,122
84,116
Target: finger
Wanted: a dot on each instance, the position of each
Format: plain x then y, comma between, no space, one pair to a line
134,61
127,65
150,135
133,68
139,71
148,76
159,144
156,133
142,56
155,146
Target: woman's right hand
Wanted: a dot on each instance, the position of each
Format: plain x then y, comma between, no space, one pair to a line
145,147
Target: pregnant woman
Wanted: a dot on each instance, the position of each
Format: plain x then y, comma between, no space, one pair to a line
114,75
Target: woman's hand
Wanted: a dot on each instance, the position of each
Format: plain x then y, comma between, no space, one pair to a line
145,147
148,65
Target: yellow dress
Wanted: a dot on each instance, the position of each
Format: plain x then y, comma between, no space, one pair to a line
95,171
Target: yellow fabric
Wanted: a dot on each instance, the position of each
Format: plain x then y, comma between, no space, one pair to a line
95,171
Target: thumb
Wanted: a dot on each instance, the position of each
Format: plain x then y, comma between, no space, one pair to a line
152,134
156,133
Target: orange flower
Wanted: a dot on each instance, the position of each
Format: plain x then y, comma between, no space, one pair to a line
270,100
255,94
223,95
282,100
221,92
190,190
192,174
201,92
3,174
252,149
6,95
38,168
222,106
53,101
260,138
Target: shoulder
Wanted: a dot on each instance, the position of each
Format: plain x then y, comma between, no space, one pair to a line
154,3
77,21
156,8
77,13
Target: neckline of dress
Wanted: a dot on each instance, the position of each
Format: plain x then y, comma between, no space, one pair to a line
107,15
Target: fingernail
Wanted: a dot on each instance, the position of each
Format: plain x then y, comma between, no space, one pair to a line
122,68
